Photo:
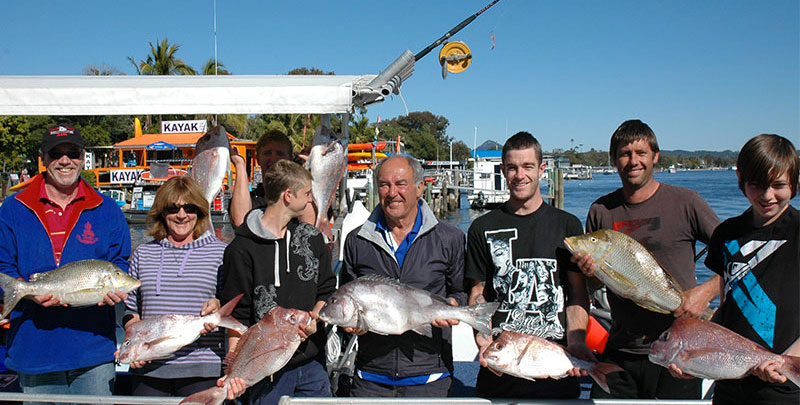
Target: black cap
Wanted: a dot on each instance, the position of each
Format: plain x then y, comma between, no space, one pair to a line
60,134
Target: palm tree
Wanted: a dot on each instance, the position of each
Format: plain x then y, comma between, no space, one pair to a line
208,68
162,61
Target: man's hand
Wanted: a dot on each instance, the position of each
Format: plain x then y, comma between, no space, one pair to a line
584,262
693,303
311,328
482,341
113,298
768,371
355,331
446,323
235,388
677,372
580,351
236,159
47,300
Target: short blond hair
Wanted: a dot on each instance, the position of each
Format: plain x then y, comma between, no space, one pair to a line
170,192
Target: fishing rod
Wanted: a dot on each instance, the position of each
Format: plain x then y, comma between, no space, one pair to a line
452,32
389,80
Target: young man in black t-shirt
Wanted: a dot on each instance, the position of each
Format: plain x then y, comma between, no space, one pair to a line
515,256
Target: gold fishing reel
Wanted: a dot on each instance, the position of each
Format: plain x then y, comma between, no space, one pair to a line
455,57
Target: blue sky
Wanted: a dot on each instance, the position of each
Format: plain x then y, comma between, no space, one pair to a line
703,74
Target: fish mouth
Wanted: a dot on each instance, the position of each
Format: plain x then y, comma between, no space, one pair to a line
569,246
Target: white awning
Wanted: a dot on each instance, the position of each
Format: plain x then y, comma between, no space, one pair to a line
137,95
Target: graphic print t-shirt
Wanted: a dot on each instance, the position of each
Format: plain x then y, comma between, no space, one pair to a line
523,261
761,273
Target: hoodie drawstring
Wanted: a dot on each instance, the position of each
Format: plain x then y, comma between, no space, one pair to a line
287,237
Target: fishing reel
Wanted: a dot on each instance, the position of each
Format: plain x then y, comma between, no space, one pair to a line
455,57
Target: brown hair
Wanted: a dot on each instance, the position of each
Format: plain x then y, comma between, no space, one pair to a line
766,157
632,131
170,192
282,175
274,135
522,140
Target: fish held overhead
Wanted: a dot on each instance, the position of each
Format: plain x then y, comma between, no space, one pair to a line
161,336
212,158
77,284
327,163
385,306
707,350
630,270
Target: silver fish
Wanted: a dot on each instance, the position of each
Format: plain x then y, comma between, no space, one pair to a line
707,350
160,337
385,306
327,163
212,158
630,270
262,351
531,357
78,284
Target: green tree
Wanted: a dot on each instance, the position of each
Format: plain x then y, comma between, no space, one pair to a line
13,130
163,61
461,151
208,68
102,70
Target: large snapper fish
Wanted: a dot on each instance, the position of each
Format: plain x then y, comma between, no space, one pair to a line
161,336
77,284
212,158
707,350
262,351
327,163
531,357
630,270
385,306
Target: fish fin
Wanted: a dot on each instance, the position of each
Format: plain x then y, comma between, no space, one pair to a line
609,269
211,396
480,316
791,368
157,341
708,313
694,353
424,330
13,290
672,281
599,371
652,308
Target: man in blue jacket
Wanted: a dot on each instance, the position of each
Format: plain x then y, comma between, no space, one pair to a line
402,239
59,218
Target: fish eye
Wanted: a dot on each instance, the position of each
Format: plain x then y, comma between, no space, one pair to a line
126,343
292,318
499,346
664,336
332,300
593,239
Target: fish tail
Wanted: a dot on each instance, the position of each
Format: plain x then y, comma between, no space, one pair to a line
599,371
791,368
13,291
480,316
225,318
211,396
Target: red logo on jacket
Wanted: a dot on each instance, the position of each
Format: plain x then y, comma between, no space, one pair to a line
87,237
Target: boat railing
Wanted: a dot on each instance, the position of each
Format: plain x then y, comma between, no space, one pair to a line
7,397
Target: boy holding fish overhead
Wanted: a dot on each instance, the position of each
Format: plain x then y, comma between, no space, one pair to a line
515,257
59,219
756,254
667,220
277,260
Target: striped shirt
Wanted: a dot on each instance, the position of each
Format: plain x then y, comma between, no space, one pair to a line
178,280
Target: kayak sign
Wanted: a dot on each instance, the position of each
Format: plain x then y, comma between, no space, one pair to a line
178,127
126,176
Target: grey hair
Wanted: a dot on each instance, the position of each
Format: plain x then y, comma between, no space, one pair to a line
416,167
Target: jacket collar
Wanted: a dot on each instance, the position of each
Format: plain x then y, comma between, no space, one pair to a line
369,230
30,195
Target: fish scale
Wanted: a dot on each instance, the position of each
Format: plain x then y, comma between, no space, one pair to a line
628,269
77,284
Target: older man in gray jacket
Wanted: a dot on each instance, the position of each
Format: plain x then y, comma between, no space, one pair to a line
402,239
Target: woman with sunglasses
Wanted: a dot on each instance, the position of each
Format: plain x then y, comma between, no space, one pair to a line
178,271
